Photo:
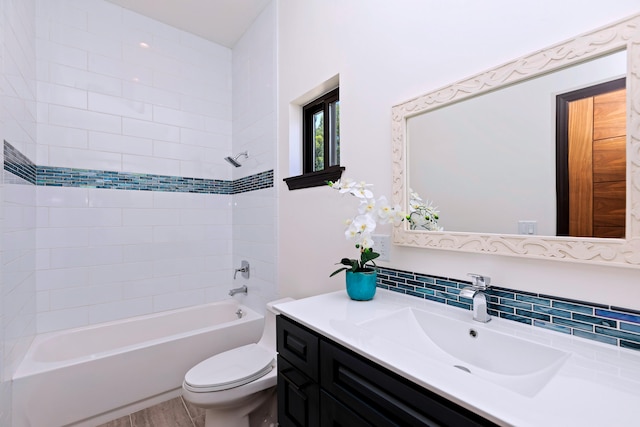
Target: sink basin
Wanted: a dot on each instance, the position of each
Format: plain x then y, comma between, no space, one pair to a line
522,366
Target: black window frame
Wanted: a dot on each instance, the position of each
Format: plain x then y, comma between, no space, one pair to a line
311,177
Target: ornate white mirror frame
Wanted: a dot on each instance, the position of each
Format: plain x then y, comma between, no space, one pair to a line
621,35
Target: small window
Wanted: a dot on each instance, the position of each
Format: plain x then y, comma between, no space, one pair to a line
321,142
321,132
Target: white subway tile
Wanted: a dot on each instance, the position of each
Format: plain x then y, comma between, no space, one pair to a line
178,300
60,197
82,79
100,236
125,272
42,155
204,169
178,151
150,287
145,129
62,319
82,119
61,136
84,159
104,198
114,143
178,118
119,106
84,40
42,114
206,107
168,97
171,200
177,233
206,139
43,259
42,301
62,95
61,237
62,278
203,217
60,54
178,266
144,164
219,232
88,295
79,217
120,310
150,58
117,68
141,217
85,257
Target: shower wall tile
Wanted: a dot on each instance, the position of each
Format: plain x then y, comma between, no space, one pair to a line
254,130
130,107
114,253
18,111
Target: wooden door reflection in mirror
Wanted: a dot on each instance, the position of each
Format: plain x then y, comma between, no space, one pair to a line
591,185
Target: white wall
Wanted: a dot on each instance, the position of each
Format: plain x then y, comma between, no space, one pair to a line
386,53
107,103
17,198
254,130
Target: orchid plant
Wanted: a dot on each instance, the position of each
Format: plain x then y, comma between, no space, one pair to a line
422,215
361,227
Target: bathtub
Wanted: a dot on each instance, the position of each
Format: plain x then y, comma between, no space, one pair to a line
93,374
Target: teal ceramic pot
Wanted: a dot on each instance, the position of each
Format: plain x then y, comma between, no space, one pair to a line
361,286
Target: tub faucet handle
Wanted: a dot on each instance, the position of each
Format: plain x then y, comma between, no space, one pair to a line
244,269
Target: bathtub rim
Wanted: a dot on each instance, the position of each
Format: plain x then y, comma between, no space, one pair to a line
28,366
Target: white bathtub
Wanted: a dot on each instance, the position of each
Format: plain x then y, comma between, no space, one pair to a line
89,375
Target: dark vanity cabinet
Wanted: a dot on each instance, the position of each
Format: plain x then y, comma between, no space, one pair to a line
321,383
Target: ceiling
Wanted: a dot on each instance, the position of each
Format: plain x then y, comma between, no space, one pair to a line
220,21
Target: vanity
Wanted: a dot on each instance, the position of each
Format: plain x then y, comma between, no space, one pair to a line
400,360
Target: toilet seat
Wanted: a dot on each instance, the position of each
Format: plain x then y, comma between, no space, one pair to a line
230,369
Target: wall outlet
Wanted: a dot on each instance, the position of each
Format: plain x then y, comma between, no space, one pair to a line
382,245
528,227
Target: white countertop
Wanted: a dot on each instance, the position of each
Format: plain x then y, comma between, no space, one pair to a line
598,384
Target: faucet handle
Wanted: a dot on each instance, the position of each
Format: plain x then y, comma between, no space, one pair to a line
479,281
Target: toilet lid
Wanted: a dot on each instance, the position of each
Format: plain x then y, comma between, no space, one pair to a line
230,369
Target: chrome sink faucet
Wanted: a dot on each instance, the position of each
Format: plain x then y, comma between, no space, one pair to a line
476,293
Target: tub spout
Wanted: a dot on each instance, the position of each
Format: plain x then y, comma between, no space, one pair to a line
241,290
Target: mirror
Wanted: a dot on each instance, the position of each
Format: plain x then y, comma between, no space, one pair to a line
438,150
499,154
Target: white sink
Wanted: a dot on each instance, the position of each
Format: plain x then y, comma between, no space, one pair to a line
522,366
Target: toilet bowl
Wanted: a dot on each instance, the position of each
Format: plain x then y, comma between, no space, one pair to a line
237,387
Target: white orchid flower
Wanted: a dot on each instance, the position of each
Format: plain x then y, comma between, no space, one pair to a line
366,206
365,223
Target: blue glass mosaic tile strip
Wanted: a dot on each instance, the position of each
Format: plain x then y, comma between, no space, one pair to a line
611,325
18,164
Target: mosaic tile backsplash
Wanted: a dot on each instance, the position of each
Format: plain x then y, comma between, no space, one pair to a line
611,325
16,163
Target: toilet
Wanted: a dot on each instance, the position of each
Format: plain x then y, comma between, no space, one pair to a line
237,388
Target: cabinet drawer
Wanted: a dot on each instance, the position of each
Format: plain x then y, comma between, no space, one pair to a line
335,414
384,398
298,397
298,345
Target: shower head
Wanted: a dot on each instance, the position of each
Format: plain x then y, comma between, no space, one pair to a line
234,160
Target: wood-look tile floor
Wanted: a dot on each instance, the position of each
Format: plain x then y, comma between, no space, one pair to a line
172,413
